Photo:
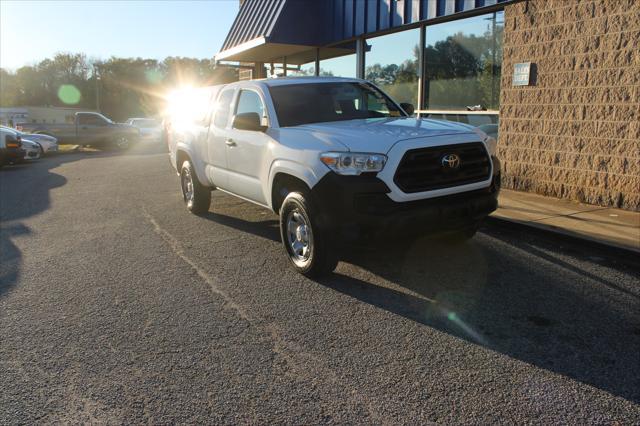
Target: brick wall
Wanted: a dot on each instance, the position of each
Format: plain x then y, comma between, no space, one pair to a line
576,133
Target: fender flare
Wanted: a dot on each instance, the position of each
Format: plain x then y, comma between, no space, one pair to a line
293,168
198,164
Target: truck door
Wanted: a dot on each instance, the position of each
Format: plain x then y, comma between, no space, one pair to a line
217,135
246,149
91,128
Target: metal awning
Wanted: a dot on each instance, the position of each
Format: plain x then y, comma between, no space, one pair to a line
269,30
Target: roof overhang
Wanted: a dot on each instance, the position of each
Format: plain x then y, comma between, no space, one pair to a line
260,50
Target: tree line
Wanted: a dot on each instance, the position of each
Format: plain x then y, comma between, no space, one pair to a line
118,87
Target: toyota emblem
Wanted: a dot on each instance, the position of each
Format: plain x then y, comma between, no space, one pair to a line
451,161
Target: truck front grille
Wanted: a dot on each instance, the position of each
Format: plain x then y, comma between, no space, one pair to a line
423,169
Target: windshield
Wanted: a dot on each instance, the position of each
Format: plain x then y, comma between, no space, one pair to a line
298,104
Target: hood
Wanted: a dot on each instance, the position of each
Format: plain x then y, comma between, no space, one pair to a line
39,137
28,143
379,135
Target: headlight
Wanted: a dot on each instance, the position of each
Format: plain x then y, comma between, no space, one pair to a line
353,163
492,145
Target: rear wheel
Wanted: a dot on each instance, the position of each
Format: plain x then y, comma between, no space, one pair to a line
196,196
307,246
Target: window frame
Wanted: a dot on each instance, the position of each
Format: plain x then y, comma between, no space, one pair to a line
236,103
233,91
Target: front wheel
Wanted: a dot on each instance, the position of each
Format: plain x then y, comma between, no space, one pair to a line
122,142
307,246
196,196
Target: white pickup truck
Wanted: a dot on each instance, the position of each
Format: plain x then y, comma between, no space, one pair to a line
339,161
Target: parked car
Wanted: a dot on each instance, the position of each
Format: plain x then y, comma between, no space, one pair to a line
150,129
32,150
10,146
47,143
88,128
339,161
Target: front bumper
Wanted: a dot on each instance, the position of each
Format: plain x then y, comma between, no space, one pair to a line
358,207
12,155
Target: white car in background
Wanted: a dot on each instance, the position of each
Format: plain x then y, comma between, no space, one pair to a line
32,150
150,129
47,143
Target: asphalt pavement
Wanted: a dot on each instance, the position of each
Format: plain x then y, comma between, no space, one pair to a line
118,306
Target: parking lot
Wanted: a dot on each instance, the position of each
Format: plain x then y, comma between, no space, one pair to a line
118,306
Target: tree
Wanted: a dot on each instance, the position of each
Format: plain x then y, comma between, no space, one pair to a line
128,86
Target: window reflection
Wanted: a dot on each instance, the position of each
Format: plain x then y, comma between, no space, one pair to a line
391,63
340,62
463,62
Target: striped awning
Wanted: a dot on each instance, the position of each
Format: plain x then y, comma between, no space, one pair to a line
266,30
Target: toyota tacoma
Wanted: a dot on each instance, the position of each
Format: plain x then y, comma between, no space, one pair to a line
338,160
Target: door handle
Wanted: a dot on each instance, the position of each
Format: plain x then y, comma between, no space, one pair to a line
230,142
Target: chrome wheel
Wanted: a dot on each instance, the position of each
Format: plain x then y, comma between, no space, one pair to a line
187,186
299,237
122,142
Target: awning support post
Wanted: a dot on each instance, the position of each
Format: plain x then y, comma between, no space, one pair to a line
317,61
360,58
421,69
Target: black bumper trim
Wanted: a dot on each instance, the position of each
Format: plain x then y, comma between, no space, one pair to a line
354,206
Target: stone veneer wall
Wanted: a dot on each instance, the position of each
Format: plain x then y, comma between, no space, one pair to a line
575,134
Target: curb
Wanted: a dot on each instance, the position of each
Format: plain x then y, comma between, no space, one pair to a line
568,236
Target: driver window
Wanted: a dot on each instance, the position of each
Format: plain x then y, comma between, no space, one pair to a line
90,120
250,101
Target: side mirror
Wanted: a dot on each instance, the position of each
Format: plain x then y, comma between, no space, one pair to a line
408,108
248,121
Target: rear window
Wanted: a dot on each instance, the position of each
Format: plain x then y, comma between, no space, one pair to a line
298,104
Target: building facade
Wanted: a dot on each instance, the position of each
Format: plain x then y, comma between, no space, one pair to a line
557,80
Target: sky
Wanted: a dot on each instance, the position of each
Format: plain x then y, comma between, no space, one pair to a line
31,31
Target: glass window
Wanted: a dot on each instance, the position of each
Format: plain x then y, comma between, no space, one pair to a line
250,101
392,64
90,120
222,109
308,69
343,64
463,62
298,104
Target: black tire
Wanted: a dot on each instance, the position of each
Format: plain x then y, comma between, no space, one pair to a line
121,142
316,257
196,196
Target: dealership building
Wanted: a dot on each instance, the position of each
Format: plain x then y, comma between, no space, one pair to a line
557,80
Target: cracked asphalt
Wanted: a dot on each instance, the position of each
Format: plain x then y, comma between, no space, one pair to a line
118,306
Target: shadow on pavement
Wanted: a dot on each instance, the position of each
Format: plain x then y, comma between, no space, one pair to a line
24,192
524,296
268,229
520,299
